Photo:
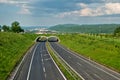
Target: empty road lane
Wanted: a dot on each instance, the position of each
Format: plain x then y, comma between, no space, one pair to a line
88,69
38,65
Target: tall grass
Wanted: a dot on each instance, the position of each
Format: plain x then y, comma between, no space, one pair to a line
101,49
12,48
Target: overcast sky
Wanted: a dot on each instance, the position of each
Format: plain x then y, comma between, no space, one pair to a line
52,12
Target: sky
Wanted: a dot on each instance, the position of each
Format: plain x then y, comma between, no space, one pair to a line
53,12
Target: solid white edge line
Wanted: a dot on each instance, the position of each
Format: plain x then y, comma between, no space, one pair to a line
17,68
28,75
91,63
56,65
67,64
44,69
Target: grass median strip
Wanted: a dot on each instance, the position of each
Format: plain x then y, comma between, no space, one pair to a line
67,71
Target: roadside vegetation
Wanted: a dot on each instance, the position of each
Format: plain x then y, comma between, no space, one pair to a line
12,47
15,27
104,49
66,70
117,32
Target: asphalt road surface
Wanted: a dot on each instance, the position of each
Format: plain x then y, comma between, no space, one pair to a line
38,65
86,68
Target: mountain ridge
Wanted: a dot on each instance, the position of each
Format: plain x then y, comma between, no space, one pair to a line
85,28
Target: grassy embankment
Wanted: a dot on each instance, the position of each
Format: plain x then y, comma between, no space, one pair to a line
12,47
66,70
98,48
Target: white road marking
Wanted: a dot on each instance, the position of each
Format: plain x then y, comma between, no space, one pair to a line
68,64
45,75
28,75
44,69
98,76
56,65
45,54
42,60
90,63
79,64
89,76
17,68
48,59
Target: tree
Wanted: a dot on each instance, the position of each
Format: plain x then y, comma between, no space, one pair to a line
0,28
16,27
117,31
6,28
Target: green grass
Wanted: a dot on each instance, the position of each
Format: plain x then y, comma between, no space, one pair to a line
69,73
12,47
104,50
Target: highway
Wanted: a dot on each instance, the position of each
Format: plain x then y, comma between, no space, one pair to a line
86,68
38,65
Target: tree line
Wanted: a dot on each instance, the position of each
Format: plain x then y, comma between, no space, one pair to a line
15,27
117,31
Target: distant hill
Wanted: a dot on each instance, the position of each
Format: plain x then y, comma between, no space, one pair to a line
97,28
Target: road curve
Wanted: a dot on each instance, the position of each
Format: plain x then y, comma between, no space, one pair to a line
38,65
88,69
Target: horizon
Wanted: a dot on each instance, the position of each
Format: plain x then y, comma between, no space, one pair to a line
52,12
39,26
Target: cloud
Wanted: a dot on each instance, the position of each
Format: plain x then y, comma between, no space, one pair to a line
22,4
25,9
13,1
98,10
54,7
112,1
112,8
82,5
